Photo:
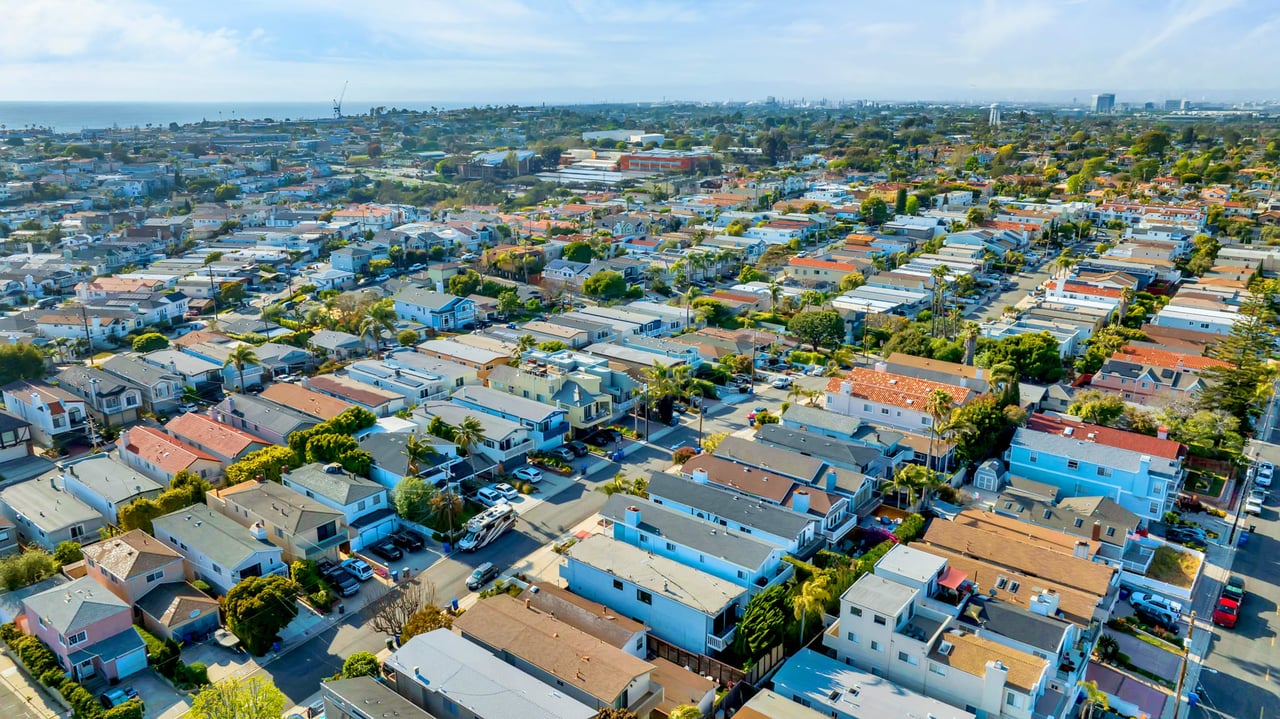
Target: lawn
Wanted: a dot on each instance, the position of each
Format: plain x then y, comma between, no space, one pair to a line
1173,567
1209,484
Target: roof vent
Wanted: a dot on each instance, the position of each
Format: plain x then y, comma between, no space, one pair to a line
945,648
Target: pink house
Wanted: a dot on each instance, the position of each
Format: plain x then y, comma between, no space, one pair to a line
88,628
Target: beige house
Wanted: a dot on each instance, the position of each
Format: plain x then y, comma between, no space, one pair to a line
303,528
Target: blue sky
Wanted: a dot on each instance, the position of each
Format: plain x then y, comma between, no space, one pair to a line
596,50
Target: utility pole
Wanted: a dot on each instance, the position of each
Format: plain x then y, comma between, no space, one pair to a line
1186,657
84,319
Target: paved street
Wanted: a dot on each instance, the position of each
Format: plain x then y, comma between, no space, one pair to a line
299,671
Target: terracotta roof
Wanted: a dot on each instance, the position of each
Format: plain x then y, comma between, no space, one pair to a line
304,400
355,391
217,437
822,264
1075,604
583,614
896,389
1016,529
169,454
199,336
1087,289
1109,436
1031,559
970,654
132,554
1165,358
572,656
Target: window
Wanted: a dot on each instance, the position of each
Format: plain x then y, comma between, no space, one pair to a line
924,420
884,410
1002,582
1034,457
77,638
875,646
1073,464
742,574
938,669
881,620
1013,700
155,576
617,584
360,506
866,408
644,539
279,533
1111,531
644,597
855,611
851,636
1154,509
1079,522
671,547
217,569
908,659
1104,471
1013,587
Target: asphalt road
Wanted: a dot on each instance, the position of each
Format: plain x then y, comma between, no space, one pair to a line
298,673
1241,678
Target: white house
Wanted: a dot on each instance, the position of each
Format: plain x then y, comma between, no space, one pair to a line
365,503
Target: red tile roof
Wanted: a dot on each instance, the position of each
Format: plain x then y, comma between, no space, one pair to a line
217,437
1165,358
822,264
895,389
1109,436
1082,288
169,454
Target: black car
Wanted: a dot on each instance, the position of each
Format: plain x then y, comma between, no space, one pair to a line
340,579
1155,618
386,550
408,540
578,448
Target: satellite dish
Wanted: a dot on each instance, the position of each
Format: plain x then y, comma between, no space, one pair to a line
992,592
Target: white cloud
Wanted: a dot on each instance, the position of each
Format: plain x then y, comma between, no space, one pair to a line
104,30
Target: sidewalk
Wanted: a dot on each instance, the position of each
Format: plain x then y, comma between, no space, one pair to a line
36,701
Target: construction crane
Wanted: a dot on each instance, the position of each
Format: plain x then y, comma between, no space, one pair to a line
337,104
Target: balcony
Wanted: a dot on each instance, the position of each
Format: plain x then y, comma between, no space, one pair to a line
558,428
721,642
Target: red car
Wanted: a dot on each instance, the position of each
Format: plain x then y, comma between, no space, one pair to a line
1226,612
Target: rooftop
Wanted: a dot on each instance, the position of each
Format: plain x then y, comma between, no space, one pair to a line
754,513
72,607
318,405
971,654
333,483
700,535
132,554
278,505
838,689
880,595
583,614
46,506
217,536
670,579
895,389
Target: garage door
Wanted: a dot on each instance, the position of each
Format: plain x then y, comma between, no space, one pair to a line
131,663
370,536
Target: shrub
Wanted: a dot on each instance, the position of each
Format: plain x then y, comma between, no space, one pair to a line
21,570
54,679
9,632
911,528
33,654
304,573
203,586
827,559
196,675
682,455
162,654
131,709
82,702
321,599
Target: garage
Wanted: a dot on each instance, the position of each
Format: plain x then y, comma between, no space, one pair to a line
373,527
131,663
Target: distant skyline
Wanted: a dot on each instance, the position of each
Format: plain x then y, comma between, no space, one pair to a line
583,51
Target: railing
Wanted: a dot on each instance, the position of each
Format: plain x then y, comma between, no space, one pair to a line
722,642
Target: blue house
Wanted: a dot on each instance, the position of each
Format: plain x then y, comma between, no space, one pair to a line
1138,472
437,310
548,425
775,524
681,605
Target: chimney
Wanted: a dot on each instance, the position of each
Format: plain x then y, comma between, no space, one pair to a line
800,501
1097,531
846,388
993,684
1082,550
1162,432
831,480
631,517
1045,604
231,403
700,476
259,531
882,367
440,287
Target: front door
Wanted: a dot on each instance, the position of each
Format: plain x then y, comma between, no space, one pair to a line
84,670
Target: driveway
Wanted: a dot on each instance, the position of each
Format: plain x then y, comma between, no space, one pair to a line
1161,662
161,699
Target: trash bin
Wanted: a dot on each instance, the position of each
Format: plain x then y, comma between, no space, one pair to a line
453,604
395,576
342,609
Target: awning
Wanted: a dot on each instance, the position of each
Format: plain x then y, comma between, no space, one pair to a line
952,578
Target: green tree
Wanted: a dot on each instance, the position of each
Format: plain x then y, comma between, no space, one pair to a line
249,698
361,664
468,434
223,193
913,205
1241,384
552,346
939,405
578,252
989,428
1095,699
268,463
605,285
1034,355
232,293
464,284
817,327
427,619
67,553
900,201
1097,407
26,568
874,211
974,217
685,711
20,361
257,609
852,281
412,498
763,622
379,266
150,342
407,338
508,303
240,357
811,599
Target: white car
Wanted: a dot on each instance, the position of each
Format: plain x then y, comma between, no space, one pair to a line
506,490
781,382
359,568
1156,601
528,474
1253,506
490,497
1263,477
189,407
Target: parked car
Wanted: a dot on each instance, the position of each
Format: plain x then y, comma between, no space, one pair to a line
1187,534
359,568
781,382
386,550
483,574
751,416
1155,601
528,474
340,579
563,454
1253,505
578,448
489,497
408,540
1263,474
1234,589
506,490
1226,612
116,697
189,407
1157,618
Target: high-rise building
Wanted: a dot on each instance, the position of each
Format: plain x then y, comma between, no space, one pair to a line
1104,104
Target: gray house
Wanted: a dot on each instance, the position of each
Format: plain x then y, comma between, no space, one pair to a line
106,484
364,697
111,399
262,418
217,548
161,389
48,516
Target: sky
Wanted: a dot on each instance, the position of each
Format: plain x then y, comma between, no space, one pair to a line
560,51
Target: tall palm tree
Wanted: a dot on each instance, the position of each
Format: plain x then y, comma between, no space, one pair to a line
971,331
1126,298
417,451
468,434
775,293
812,597
240,357
939,405
1002,379
1094,699
907,480
524,343
446,504
383,315
939,275
1062,264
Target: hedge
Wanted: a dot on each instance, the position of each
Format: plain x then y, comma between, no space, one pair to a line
42,663
911,528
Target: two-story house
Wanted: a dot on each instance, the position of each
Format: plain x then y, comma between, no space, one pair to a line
895,400
219,353
589,390
113,401
415,385
783,527
381,402
680,604
561,656
107,484
218,549
365,504
89,630
270,421
437,310
1151,376
812,685
151,575
480,359
505,440
359,697
46,515
162,456
161,389
1139,472
55,414
302,527
199,373
547,424
320,406
224,442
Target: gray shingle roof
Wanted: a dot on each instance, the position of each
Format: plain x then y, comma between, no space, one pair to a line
821,419
1016,623
836,451
109,478
47,507
342,487
280,505
72,607
766,517
780,461
528,409
275,417
135,370
216,536
698,534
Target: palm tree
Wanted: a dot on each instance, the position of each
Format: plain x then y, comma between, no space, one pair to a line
240,357
907,480
468,434
383,316
812,597
939,275
417,451
1003,381
1094,699
446,504
1062,264
524,343
971,331
775,293
939,405
1126,299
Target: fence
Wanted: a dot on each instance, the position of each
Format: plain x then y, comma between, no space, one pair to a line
721,673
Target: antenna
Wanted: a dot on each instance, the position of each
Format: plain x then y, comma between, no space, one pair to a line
337,104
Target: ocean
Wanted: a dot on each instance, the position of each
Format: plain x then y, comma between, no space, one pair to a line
77,116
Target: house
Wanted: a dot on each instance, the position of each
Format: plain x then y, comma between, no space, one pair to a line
505,440
302,527
89,630
436,310
896,400
218,549
589,390
15,443
587,616
113,401
224,442
161,389
320,406
561,656
415,385
681,605
55,415
821,687
1140,472
351,259
780,526
841,453
1098,519
151,575
391,459
46,515
365,504
280,359
271,421
363,697
107,484
202,374
8,537
381,402
219,353
337,345
1146,375
449,676
162,456
478,358
547,425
